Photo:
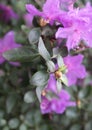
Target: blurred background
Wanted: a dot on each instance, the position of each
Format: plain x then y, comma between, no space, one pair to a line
19,106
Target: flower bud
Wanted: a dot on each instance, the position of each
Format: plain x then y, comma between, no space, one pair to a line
43,93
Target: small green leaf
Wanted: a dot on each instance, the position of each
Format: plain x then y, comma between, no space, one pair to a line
2,122
60,61
43,51
55,52
23,127
1,114
29,97
38,92
51,66
76,127
39,78
85,92
25,29
59,86
64,79
10,103
13,123
29,118
6,128
47,31
34,35
72,114
21,54
60,51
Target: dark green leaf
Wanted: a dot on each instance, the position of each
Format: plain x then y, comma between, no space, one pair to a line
59,86
2,122
10,103
34,35
39,78
23,127
61,51
60,61
38,92
51,66
6,128
76,127
13,123
43,51
22,54
29,97
47,31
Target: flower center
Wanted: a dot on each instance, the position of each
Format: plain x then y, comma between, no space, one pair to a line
43,22
43,93
58,74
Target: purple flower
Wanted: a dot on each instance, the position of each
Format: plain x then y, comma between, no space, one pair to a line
85,11
50,11
75,68
6,13
61,100
77,27
7,43
73,35
55,104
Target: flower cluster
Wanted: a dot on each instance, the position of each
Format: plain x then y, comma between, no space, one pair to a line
71,24
56,104
74,26
76,22
61,100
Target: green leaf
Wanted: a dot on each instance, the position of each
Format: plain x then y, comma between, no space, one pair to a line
72,114
55,52
43,51
39,78
75,127
84,92
64,79
51,66
38,92
2,122
23,127
61,51
88,125
1,114
6,128
29,118
34,35
37,120
10,103
29,97
47,31
60,61
22,54
59,86
13,123
25,29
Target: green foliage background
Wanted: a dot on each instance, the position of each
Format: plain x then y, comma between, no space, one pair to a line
19,106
